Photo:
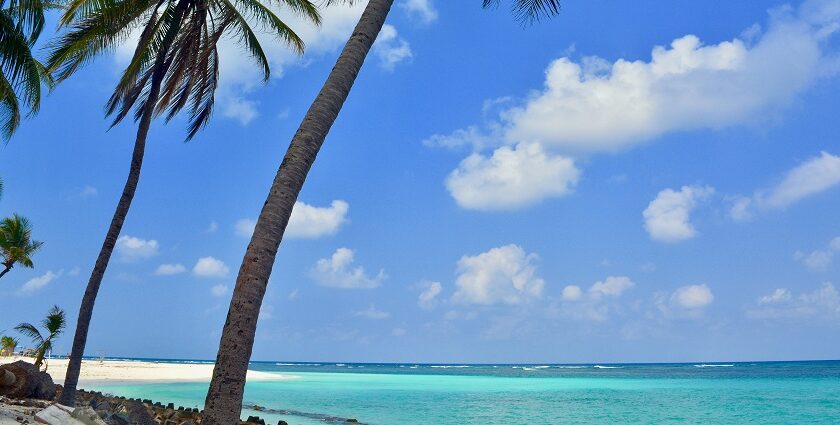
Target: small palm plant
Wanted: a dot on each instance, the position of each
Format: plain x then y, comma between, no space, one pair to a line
21,75
16,244
54,324
8,346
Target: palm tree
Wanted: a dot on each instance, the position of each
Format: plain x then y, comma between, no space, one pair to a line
21,75
16,244
54,325
8,345
224,397
175,66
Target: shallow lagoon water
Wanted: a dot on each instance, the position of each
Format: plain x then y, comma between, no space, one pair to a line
732,393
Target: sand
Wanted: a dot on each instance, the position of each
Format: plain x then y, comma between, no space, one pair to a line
140,371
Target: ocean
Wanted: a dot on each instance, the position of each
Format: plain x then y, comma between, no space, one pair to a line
685,393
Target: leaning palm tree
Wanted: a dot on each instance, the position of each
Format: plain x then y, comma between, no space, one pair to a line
54,325
175,67
21,75
8,346
16,244
223,404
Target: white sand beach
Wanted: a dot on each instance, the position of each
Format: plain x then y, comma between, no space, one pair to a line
139,371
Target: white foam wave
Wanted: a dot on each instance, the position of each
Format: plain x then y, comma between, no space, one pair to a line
714,365
597,366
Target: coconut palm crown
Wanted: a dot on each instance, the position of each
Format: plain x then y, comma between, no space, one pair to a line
177,45
21,75
54,324
16,244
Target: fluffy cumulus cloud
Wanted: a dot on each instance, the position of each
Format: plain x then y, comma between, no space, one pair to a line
338,271
504,275
170,269
594,105
428,297
820,259
39,282
132,249
688,301
210,267
668,216
612,286
810,178
219,290
306,222
820,304
390,48
424,10
512,177
597,303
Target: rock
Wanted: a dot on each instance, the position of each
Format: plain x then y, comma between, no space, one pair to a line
282,422
28,382
88,416
352,421
137,414
118,419
7,378
53,415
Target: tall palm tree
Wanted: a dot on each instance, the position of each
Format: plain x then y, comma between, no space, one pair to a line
8,345
223,404
16,244
54,324
175,66
21,75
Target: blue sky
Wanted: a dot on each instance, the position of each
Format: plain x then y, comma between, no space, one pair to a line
619,183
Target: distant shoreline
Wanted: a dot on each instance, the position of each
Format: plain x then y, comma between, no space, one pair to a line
138,371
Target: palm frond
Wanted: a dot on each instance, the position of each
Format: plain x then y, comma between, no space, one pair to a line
29,330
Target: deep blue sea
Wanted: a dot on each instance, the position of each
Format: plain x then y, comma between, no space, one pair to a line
685,393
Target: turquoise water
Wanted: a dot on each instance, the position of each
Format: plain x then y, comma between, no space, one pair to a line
734,393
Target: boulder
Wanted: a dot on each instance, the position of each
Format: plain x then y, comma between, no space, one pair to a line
28,382
88,416
138,415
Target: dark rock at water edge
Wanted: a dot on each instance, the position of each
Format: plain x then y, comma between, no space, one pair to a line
28,382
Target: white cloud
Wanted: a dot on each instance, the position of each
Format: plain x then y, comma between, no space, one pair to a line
693,296
170,269
428,298
422,9
373,313
572,293
399,332
504,275
808,179
821,259
823,303
212,227
245,227
88,192
338,272
780,295
219,290
210,267
39,282
511,178
309,222
135,249
667,218
597,106
306,222
612,286
240,109
390,48
594,105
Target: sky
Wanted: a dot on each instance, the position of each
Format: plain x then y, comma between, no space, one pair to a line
624,182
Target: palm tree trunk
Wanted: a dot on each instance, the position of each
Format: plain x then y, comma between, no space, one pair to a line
6,269
71,379
223,405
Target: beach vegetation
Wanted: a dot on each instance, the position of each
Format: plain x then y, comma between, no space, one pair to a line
53,324
16,244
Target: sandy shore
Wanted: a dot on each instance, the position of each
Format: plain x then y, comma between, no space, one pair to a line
140,371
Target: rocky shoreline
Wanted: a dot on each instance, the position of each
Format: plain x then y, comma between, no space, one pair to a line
29,396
